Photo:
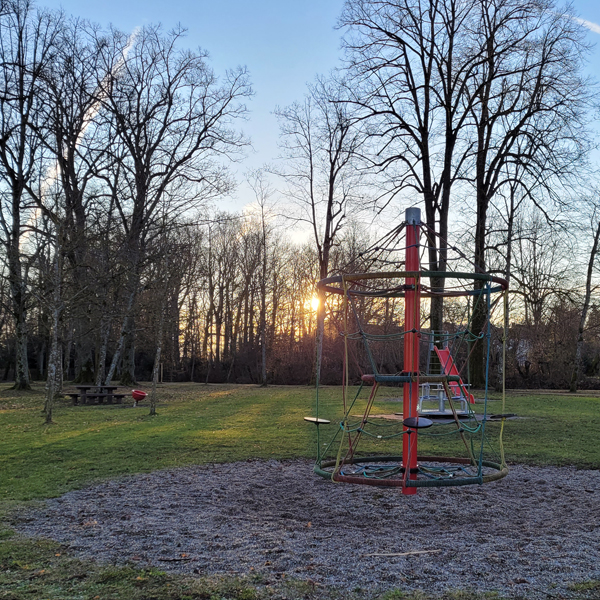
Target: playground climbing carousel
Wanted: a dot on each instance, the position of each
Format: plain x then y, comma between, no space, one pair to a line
355,445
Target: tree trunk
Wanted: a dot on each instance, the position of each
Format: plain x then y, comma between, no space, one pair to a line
263,344
53,367
101,365
156,368
479,316
84,367
437,254
84,361
21,364
119,350
67,360
500,384
263,321
17,287
584,311
54,360
128,365
320,335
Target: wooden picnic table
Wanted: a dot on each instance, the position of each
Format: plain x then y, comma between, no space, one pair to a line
96,393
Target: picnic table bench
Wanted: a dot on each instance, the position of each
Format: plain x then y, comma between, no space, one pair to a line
96,394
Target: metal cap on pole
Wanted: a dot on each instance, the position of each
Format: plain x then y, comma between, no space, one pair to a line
413,216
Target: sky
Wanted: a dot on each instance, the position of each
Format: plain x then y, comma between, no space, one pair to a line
283,43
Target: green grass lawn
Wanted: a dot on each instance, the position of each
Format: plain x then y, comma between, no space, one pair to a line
202,424
196,424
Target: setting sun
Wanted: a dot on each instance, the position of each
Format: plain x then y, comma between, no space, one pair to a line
314,303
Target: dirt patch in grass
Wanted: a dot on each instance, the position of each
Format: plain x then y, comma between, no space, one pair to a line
535,533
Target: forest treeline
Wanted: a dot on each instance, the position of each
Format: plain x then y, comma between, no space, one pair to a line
115,151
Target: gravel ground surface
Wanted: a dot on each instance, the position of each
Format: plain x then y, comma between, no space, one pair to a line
529,535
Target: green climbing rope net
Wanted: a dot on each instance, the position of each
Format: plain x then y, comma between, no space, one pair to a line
459,448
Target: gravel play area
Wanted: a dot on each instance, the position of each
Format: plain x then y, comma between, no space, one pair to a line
530,535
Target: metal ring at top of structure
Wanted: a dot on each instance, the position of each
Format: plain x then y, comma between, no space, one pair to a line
399,291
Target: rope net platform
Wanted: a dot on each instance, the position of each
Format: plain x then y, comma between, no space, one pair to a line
383,449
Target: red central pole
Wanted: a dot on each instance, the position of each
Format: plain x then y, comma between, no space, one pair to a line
412,328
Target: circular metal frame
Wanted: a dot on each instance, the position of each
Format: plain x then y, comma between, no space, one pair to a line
398,291
499,473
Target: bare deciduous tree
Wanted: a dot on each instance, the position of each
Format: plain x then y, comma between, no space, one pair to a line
587,297
321,144
456,91
409,62
173,122
262,193
528,101
26,46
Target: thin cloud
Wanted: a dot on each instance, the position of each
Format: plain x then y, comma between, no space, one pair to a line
589,24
